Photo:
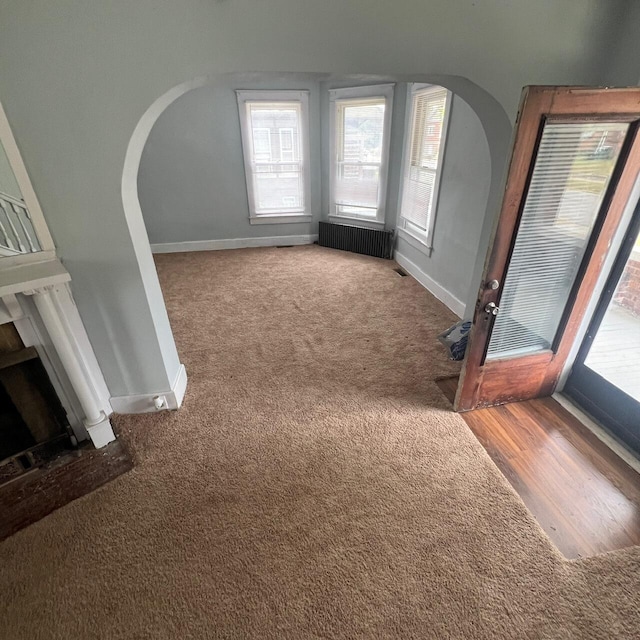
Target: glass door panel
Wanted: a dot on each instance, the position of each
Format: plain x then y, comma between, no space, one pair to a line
605,377
615,351
573,166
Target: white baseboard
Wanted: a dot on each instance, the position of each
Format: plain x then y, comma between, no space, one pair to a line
457,306
233,243
178,388
147,402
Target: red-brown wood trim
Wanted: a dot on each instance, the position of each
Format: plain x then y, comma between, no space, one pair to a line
533,104
590,100
538,103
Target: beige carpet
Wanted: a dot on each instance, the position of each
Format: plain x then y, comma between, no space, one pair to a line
314,485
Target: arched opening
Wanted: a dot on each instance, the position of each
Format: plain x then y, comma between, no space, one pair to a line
476,107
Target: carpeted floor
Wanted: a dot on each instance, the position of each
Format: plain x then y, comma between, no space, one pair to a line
314,485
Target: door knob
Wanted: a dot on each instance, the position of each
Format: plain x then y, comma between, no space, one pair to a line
492,309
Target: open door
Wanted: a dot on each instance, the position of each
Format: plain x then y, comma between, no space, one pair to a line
575,159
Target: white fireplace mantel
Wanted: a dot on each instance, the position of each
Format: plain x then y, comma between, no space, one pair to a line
23,277
36,297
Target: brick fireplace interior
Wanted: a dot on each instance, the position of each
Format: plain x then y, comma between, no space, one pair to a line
33,424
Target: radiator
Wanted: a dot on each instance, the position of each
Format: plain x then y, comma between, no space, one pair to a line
372,242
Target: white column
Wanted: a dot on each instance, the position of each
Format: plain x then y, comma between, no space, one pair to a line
96,421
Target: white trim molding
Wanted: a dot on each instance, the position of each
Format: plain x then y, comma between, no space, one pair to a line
445,296
96,421
51,323
357,222
283,218
232,243
150,402
414,241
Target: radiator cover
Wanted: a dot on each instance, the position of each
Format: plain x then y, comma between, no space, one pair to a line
371,242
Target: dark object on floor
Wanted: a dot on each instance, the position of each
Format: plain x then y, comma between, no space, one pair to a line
37,493
455,339
33,457
371,242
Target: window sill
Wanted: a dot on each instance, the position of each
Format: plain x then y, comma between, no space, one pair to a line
362,222
281,218
415,242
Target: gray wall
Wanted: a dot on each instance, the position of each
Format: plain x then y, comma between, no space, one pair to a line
77,75
192,184
8,182
623,59
466,177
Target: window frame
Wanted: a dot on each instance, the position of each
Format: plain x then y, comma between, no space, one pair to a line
383,91
406,229
244,97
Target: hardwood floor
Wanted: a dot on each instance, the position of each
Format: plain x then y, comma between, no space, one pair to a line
583,495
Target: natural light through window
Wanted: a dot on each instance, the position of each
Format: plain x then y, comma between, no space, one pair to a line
424,146
274,127
360,147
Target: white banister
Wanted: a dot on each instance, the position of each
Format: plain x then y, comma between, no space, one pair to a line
16,227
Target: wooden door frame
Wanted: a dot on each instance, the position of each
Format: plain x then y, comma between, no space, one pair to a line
483,383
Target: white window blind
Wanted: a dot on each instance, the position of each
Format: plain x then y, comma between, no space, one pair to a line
572,170
275,145
359,153
423,160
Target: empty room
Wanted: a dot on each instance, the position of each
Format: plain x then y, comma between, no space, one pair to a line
319,319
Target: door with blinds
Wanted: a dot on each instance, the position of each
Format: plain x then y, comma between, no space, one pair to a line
574,162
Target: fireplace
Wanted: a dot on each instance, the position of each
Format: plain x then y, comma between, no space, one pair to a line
33,423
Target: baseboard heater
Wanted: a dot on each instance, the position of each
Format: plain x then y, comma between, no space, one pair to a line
371,242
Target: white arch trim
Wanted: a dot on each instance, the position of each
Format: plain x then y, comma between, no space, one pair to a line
497,128
171,396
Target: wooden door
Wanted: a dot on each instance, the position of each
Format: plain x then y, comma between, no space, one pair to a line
574,162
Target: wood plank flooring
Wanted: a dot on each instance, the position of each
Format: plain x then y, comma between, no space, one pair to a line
582,494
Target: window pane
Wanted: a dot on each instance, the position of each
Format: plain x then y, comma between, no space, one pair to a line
278,188
423,155
359,139
572,170
277,170
261,144
615,351
417,197
363,124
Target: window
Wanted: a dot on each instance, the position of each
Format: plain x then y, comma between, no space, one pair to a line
424,151
360,123
275,141
262,144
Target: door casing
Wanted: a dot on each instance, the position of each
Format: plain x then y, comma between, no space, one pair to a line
486,383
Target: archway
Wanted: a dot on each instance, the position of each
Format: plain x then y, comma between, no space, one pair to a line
492,116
